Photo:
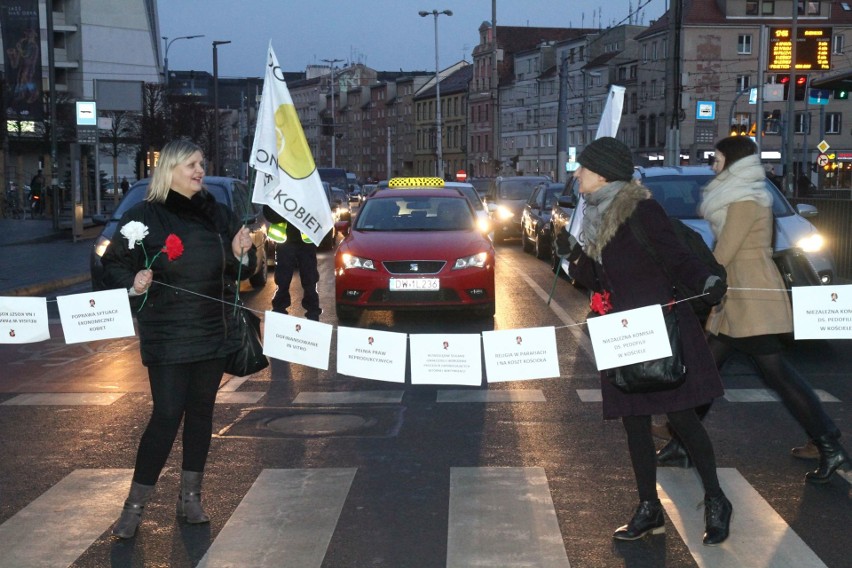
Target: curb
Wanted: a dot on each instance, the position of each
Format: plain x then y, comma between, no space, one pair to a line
44,287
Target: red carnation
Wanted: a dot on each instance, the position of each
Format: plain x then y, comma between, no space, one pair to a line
600,303
173,247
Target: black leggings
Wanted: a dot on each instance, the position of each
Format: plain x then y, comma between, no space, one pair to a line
181,392
643,453
794,391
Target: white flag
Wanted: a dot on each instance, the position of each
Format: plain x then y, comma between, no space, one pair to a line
287,178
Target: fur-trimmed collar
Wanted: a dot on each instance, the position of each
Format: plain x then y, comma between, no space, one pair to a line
201,206
622,207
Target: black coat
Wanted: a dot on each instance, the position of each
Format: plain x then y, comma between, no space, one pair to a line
188,315
635,280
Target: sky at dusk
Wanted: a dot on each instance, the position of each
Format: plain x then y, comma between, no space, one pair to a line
387,35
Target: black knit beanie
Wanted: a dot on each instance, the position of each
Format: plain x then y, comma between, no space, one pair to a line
608,158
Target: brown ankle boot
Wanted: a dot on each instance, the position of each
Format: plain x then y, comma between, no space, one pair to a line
808,451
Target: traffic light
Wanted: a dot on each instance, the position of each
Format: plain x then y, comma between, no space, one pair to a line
772,122
801,84
783,80
841,94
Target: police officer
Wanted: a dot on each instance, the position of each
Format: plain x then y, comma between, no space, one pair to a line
293,251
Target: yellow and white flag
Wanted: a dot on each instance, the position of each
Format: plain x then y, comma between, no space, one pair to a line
287,178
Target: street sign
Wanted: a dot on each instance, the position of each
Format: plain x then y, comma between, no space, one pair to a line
822,160
823,146
461,175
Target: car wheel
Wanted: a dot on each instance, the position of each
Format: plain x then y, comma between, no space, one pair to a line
347,313
542,248
484,311
526,243
258,279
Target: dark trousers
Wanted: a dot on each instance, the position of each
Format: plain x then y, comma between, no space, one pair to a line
181,392
290,257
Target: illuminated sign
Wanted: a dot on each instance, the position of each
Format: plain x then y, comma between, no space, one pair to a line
813,49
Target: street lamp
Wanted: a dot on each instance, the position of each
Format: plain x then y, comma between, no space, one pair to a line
331,63
168,43
439,141
217,169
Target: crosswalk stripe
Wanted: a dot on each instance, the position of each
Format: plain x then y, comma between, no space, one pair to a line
350,397
285,520
56,528
759,536
518,395
731,395
502,516
64,399
242,397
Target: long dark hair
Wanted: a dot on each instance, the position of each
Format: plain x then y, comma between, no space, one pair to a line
735,148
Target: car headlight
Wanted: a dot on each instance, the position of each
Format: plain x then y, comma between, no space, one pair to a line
101,246
352,261
811,243
472,261
484,225
504,213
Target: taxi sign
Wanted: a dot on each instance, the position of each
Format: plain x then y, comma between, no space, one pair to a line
415,182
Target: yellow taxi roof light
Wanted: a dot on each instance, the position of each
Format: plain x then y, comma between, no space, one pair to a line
414,182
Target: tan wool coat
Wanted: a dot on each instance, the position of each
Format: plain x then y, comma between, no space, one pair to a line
744,249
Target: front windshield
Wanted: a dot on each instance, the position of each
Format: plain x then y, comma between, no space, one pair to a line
518,189
415,214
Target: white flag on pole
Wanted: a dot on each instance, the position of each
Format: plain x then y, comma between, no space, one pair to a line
608,126
287,179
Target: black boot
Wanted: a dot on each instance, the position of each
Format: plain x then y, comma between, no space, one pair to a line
832,457
131,515
647,519
717,519
674,454
189,500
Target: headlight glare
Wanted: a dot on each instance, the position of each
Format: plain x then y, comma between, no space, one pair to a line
352,261
504,213
811,243
101,246
473,261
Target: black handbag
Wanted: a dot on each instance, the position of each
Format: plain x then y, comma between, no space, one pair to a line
249,358
657,375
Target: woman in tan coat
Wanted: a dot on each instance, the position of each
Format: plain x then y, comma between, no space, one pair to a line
756,309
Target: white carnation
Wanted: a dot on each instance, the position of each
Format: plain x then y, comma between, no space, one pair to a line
134,232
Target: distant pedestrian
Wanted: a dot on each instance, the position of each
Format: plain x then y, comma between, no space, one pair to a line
37,193
125,185
293,251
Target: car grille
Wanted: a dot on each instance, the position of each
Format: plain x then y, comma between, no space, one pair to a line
410,297
414,266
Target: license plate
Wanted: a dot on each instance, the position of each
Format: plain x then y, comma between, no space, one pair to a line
416,284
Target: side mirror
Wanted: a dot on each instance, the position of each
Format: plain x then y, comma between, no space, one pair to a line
806,210
567,201
99,219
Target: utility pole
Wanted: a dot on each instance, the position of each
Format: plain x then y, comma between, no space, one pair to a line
789,141
331,63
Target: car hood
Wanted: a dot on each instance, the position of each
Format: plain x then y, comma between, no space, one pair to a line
788,230
414,245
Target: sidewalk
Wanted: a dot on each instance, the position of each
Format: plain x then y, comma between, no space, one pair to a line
35,259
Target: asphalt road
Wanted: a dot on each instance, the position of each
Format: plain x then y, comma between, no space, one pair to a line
310,467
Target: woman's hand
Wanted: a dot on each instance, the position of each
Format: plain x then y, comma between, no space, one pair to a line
241,243
142,281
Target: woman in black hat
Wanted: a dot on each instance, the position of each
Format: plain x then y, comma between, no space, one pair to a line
612,260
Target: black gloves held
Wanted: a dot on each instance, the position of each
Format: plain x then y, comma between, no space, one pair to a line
564,243
714,290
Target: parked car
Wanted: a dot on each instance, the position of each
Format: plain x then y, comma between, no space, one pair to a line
340,210
678,189
483,220
232,192
415,248
505,200
535,218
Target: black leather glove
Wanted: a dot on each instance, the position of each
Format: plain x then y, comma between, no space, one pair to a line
714,290
564,243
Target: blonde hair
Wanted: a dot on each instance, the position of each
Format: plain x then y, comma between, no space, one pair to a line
172,155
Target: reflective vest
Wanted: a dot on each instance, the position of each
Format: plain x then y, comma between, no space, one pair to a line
278,232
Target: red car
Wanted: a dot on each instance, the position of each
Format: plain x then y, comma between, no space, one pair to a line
415,245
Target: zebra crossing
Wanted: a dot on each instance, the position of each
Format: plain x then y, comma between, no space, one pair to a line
498,516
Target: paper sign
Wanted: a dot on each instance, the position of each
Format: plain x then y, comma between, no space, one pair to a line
371,354
631,336
23,320
822,312
520,354
93,316
296,340
446,359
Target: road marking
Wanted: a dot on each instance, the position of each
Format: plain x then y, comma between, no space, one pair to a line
768,395
56,528
759,536
65,399
502,516
285,520
233,384
590,395
519,395
351,397
245,397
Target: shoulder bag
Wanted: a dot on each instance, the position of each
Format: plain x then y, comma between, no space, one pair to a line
249,358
